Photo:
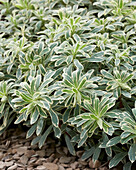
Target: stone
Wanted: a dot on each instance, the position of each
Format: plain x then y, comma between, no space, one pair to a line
16,157
65,165
2,165
82,162
13,151
61,167
56,160
20,164
17,146
6,157
69,169
65,160
41,167
32,160
41,153
13,167
74,165
51,158
21,150
95,164
1,155
49,151
29,153
34,147
9,163
30,168
24,159
39,161
10,159
50,166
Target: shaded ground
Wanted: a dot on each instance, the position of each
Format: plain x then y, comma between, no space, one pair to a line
16,153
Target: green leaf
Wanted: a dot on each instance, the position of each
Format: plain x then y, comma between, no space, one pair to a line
97,29
128,78
35,140
116,159
87,154
113,141
57,131
104,110
77,38
127,166
1,74
82,82
66,1
78,64
132,153
31,131
44,136
70,145
96,154
66,115
19,119
89,107
82,141
38,81
2,107
40,126
42,112
40,47
96,106
26,97
107,74
34,116
120,2
54,118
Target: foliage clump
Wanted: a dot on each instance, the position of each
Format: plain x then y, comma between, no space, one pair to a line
68,67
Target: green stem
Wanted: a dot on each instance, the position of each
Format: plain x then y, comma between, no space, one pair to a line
134,140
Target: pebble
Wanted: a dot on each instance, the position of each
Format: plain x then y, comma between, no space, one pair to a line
24,159
2,165
13,167
22,150
61,167
29,153
40,153
65,160
41,168
82,162
9,163
95,164
50,166
74,165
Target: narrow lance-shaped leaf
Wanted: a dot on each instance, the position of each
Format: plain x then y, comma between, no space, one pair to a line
44,136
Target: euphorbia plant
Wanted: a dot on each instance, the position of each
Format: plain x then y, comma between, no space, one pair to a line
68,68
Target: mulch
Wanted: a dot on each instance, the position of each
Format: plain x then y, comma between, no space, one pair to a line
16,153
